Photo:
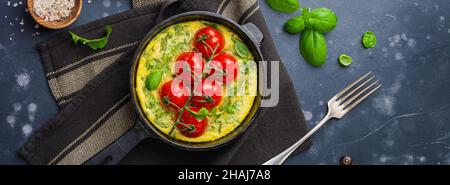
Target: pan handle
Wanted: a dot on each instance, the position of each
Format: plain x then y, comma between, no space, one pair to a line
164,7
113,153
254,32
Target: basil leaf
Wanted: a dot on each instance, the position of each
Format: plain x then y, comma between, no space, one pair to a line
295,25
286,6
345,60
322,20
153,79
313,47
93,43
241,49
369,39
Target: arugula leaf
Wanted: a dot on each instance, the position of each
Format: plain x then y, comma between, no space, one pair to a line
93,43
201,114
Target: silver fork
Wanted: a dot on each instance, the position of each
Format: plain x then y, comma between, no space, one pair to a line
338,106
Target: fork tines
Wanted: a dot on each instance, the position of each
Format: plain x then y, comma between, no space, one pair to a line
357,91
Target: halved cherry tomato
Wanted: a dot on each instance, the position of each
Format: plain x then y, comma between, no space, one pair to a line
207,39
191,61
224,66
189,125
208,94
174,94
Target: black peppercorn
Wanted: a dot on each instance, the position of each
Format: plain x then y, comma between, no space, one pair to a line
346,160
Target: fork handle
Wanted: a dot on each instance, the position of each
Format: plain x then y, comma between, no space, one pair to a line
280,158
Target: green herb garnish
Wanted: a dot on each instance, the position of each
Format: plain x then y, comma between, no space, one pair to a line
286,6
345,60
295,25
313,47
241,49
369,39
153,79
93,43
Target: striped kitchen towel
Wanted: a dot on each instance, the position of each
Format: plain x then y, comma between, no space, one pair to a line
92,91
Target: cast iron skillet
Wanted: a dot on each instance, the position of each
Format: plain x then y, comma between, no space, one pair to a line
143,128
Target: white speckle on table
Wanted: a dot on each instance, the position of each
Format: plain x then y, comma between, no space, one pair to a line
421,158
404,37
399,56
411,43
448,31
385,104
105,14
17,107
330,42
428,37
384,158
436,6
409,158
15,5
27,129
396,38
308,115
23,79
21,22
89,1
36,26
32,107
320,102
8,3
416,4
11,120
106,3
441,18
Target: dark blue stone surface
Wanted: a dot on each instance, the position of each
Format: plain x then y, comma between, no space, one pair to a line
407,122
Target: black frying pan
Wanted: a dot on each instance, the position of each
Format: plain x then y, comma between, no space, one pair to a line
145,129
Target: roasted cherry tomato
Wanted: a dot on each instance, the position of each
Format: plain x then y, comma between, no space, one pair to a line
207,39
174,94
189,125
208,94
190,61
224,66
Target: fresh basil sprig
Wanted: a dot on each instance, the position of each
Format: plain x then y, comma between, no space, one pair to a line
93,43
285,6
